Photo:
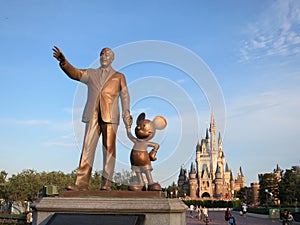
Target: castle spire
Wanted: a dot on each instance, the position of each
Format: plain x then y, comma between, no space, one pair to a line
212,120
198,146
241,172
212,130
181,171
193,170
207,134
231,176
220,140
277,169
227,168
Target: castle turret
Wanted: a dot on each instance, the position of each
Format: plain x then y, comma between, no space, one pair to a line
227,174
218,183
193,181
181,177
240,180
255,191
278,172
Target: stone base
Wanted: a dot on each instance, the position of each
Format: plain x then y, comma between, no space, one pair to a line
112,194
140,210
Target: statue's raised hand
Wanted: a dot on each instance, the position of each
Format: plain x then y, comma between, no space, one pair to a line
58,54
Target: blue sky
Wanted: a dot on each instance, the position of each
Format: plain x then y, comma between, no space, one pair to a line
251,50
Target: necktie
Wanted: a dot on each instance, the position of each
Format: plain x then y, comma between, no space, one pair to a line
104,75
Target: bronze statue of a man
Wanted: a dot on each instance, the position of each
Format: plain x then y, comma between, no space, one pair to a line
101,114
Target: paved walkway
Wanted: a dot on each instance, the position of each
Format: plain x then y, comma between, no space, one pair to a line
217,218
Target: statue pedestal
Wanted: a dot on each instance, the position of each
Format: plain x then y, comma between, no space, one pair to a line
109,207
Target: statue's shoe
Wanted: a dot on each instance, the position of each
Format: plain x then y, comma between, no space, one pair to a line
106,184
106,188
135,187
154,187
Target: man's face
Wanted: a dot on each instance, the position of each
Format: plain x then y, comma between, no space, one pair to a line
106,57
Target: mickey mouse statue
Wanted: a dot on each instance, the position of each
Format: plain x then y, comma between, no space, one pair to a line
140,158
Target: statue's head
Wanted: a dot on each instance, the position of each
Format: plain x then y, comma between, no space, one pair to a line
106,57
145,128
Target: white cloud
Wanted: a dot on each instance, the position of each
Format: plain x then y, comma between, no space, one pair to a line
274,33
48,123
181,81
67,140
250,104
61,144
33,122
74,110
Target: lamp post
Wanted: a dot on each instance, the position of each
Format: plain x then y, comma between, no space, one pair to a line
266,191
271,197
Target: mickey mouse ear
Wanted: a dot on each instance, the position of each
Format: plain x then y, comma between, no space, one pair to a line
140,118
160,122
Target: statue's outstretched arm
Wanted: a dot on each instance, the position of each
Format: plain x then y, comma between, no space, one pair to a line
71,71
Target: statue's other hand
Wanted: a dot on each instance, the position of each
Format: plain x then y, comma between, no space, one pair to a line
128,120
152,155
58,54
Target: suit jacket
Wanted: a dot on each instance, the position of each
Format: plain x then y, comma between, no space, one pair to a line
106,95
103,97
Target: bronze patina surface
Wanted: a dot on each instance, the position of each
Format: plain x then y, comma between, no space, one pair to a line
101,114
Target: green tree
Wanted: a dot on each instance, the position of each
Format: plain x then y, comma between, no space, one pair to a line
3,175
269,188
290,186
172,188
245,195
57,178
95,182
28,184
3,185
24,186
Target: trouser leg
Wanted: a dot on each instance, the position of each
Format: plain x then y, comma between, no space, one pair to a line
109,131
139,177
91,137
149,177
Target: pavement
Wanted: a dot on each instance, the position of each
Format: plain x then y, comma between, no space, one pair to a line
217,218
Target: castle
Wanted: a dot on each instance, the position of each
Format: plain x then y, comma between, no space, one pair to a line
211,177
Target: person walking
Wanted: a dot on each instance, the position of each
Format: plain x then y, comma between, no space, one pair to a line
192,208
227,214
290,218
244,209
284,217
231,220
199,212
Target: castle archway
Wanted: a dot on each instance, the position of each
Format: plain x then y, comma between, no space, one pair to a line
205,195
